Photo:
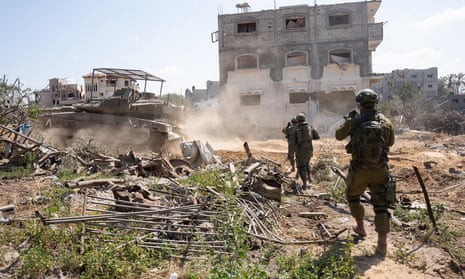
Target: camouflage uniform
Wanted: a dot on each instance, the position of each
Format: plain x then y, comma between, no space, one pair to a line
290,147
361,177
301,140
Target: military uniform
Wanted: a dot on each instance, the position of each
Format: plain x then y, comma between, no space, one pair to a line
361,177
301,140
290,147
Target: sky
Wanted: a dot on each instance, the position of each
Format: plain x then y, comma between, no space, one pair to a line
43,39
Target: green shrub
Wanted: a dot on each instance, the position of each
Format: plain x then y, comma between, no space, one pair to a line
334,263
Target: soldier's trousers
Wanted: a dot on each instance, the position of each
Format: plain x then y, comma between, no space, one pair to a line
303,163
376,180
291,155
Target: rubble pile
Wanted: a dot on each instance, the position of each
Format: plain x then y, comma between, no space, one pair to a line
144,195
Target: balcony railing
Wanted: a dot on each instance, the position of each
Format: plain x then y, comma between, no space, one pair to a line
375,31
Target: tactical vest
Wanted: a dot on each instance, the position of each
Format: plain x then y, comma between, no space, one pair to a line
368,140
303,133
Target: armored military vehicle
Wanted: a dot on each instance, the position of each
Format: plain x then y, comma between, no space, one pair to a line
128,117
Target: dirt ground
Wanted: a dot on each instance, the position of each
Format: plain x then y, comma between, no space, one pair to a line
439,158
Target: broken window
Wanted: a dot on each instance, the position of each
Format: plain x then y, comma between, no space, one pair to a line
111,82
296,59
250,100
247,27
247,62
295,22
340,57
339,19
299,97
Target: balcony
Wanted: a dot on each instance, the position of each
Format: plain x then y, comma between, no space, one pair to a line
375,35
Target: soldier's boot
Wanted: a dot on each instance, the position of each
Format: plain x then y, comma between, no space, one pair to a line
360,228
381,248
304,183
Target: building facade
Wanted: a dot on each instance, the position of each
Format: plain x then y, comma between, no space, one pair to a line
204,98
60,92
455,102
313,59
102,86
423,80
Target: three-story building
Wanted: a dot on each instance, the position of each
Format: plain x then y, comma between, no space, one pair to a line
313,59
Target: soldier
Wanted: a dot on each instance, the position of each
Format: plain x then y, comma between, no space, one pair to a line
371,135
301,141
290,150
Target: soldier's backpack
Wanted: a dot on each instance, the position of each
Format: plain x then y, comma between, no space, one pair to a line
371,147
302,133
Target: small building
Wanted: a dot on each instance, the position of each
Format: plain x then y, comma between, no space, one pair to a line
456,102
103,82
203,98
59,91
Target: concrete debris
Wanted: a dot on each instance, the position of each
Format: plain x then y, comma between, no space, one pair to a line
198,153
5,212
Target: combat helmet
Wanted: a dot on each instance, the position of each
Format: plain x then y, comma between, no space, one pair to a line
367,97
294,120
300,117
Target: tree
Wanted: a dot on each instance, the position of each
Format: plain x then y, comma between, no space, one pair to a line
454,82
16,104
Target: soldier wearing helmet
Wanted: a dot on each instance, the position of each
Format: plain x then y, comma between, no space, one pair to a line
290,148
301,141
364,171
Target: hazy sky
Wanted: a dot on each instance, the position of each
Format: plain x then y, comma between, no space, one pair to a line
42,39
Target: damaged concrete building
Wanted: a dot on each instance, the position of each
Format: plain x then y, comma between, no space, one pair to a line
60,91
423,80
313,59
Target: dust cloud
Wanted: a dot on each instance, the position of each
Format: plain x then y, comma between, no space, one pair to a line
210,126
224,128
109,138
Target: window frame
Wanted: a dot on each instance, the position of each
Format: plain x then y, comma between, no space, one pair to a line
341,51
295,19
294,97
253,102
335,14
296,52
247,23
243,56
